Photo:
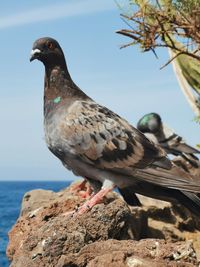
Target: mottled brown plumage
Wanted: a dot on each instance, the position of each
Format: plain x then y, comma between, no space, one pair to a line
93,141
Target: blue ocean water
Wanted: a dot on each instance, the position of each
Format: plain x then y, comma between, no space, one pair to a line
11,194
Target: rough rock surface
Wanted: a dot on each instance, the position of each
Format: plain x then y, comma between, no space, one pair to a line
111,234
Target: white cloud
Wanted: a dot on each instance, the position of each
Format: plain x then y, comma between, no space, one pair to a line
56,11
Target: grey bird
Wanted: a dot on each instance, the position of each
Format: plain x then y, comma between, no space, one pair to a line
94,142
152,126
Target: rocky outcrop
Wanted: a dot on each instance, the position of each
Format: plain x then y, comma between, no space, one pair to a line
111,234
145,253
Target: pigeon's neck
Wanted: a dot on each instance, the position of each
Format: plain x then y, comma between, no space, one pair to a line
59,88
55,72
160,133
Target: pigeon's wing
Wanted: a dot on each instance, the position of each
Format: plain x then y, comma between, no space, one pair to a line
99,136
175,143
176,178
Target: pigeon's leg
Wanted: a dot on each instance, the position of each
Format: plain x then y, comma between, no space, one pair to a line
97,198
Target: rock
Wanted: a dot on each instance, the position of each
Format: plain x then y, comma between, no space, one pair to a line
107,235
129,253
34,200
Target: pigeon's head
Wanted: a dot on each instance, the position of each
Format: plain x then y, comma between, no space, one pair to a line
48,51
150,123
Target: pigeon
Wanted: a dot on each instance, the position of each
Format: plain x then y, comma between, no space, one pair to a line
151,125
96,143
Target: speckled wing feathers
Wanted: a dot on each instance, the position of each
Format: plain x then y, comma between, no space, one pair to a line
101,137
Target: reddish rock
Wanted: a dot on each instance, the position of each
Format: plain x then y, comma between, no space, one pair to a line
105,236
129,253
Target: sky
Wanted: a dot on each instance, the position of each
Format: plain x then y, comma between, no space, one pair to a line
125,80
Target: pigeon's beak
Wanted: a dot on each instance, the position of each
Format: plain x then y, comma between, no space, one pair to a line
35,53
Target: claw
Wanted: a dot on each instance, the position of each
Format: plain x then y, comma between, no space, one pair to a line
97,198
83,189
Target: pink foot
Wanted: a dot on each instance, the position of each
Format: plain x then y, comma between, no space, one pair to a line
83,189
86,194
78,186
97,198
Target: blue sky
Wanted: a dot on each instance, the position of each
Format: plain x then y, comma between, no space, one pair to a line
127,81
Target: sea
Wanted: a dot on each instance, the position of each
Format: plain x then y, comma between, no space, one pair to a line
11,194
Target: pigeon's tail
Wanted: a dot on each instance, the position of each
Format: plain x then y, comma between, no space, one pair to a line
176,178
191,201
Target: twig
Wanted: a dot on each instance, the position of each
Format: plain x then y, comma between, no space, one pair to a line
171,59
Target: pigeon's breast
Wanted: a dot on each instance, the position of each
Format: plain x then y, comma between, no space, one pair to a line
54,137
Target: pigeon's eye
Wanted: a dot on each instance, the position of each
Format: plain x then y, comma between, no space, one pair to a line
50,45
